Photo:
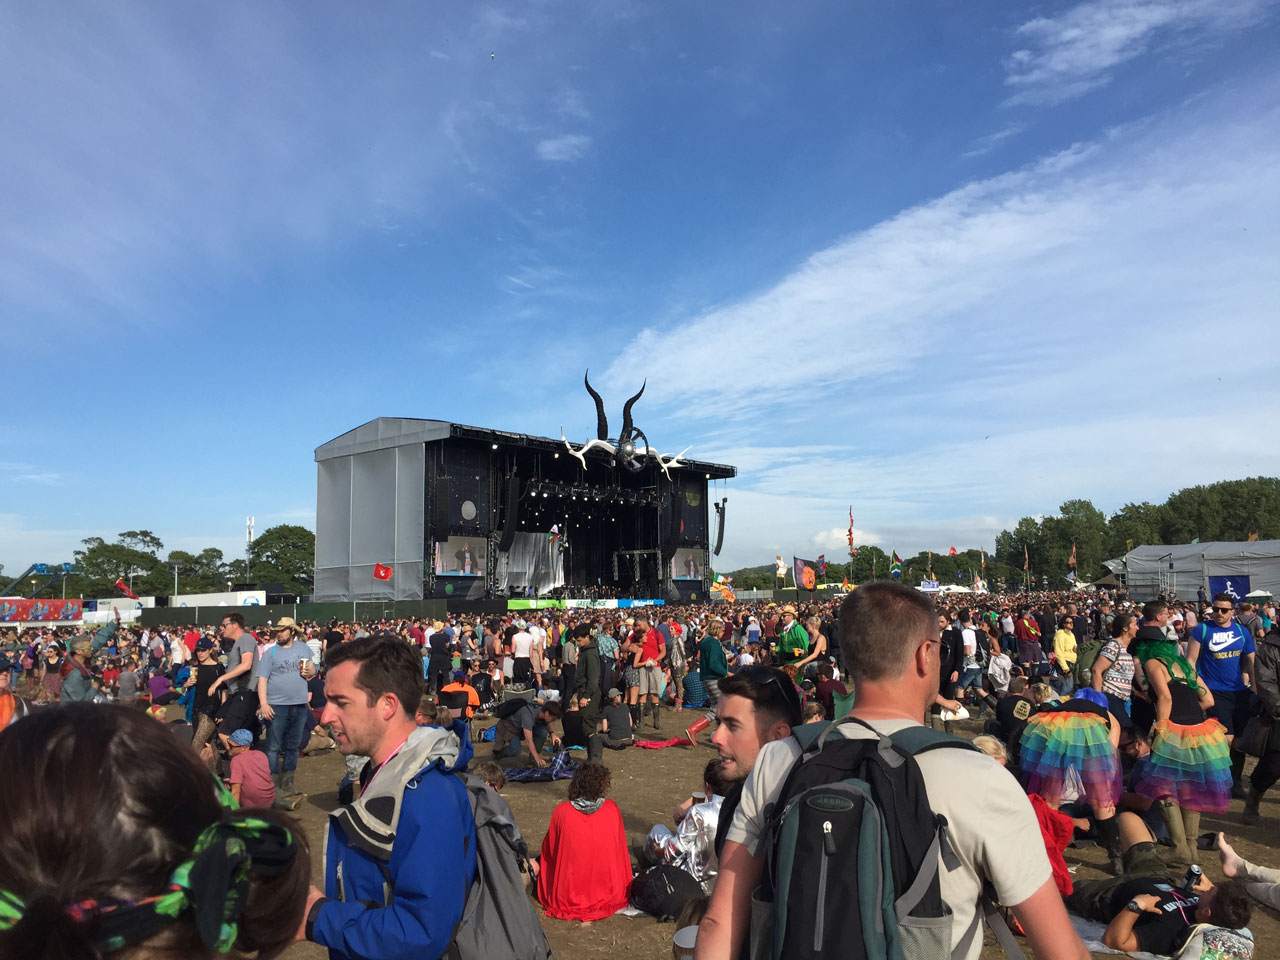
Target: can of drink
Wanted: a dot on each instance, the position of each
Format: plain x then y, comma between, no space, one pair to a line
1191,879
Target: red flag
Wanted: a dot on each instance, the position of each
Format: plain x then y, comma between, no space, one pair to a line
846,584
1072,561
951,552
124,588
984,559
381,573
1026,558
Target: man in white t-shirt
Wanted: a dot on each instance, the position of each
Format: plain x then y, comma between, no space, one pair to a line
522,653
890,645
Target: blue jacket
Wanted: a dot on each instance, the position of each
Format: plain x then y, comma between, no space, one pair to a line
400,860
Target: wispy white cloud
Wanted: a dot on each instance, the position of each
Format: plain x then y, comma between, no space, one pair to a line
30,473
1076,51
984,145
986,355
565,148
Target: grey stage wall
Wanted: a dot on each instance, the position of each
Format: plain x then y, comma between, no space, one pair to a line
370,509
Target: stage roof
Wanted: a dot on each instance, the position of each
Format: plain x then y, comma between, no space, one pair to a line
389,432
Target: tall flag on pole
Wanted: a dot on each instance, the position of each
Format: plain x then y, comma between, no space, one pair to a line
381,572
822,564
984,559
1253,537
846,584
952,552
554,534
721,587
781,568
895,565
1072,561
852,551
803,572
1026,558
124,588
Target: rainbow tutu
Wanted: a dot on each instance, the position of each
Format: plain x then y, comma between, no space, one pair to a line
1190,765
1064,747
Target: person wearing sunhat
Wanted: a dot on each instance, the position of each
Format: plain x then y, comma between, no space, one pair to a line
793,643
281,681
77,679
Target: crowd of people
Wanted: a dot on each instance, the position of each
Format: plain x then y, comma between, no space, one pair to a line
1105,722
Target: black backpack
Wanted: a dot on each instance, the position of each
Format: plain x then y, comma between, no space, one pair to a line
852,850
663,890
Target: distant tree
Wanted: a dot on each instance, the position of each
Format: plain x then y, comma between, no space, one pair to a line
284,554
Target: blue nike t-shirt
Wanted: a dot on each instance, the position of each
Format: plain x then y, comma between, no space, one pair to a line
1220,651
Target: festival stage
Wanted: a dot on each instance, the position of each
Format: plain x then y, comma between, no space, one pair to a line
473,514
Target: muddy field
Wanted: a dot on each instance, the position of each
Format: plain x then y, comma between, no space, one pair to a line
648,783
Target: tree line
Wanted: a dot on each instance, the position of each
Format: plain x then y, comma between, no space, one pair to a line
1230,510
283,555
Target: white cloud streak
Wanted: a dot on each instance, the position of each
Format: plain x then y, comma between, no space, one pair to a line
563,149
989,354
1076,51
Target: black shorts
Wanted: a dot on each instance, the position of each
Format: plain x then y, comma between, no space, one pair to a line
1231,708
239,712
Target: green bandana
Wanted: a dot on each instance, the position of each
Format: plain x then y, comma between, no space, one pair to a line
212,886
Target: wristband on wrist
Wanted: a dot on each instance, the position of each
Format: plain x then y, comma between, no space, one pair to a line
311,917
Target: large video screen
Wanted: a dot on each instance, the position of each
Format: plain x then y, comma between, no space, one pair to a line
460,557
688,564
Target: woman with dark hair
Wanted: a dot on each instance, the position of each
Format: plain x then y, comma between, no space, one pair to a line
584,872
119,844
1113,671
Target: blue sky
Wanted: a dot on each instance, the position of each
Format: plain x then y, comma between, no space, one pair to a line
949,263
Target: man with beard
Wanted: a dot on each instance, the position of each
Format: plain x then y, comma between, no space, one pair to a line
757,706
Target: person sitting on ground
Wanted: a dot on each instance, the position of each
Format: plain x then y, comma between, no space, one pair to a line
530,724
461,684
571,723
145,858
615,722
692,845
425,714
490,773
1012,713
584,871
1148,910
250,779
813,713
1261,883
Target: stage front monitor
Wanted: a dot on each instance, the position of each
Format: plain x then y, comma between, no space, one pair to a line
460,557
688,564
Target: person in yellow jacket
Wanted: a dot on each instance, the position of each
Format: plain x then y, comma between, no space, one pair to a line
1064,647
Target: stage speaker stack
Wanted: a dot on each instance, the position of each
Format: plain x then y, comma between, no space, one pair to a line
513,514
441,521
673,532
721,507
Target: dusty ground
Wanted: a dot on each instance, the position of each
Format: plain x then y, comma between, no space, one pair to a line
648,783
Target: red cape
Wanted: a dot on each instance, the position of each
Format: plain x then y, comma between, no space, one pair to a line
1057,829
585,869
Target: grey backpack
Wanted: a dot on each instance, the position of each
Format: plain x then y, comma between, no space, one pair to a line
499,921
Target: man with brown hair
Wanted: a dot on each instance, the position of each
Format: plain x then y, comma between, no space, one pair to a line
401,858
